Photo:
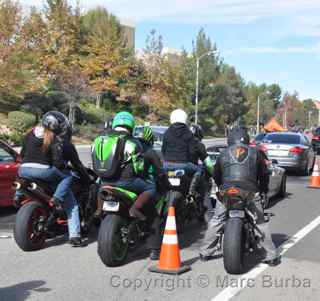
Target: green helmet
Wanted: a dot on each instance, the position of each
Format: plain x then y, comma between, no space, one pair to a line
124,119
148,135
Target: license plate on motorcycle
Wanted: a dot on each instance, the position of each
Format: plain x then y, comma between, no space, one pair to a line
174,181
236,213
111,206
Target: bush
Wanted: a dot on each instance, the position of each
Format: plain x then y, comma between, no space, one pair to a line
20,121
91,114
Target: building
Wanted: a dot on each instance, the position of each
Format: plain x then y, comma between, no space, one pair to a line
129,30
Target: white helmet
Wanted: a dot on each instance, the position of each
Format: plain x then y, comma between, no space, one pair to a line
178,115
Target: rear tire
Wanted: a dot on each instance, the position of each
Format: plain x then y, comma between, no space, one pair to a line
283,188
112,247
233,246
26,235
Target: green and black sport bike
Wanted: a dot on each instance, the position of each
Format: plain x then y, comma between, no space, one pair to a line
119,232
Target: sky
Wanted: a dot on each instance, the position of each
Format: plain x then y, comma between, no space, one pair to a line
271,41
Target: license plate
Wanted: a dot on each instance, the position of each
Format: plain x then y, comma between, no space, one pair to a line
174,181
278,153
111,206
236,213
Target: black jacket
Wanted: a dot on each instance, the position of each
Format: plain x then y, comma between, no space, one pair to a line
180,146
70,154
262,173
31,151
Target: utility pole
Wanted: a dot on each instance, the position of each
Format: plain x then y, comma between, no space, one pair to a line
258,115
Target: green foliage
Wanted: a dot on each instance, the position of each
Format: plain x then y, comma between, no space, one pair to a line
91,114
20,121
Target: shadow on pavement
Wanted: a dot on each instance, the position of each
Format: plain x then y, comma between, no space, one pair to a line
275,200
22,291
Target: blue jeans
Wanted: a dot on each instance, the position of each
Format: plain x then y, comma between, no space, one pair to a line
137,185
62,182
188,167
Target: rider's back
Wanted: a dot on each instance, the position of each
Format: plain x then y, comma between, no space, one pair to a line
177,143
114,156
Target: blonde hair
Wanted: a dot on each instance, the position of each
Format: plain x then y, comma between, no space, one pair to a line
48,137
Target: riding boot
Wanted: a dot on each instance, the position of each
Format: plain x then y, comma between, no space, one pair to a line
195,183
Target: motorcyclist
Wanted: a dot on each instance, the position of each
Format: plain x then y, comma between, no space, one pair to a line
154,173
244,167
42,158
121,164
182,150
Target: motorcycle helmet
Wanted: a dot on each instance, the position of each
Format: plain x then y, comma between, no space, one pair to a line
178,115
148,135
58,123
196,131
124,119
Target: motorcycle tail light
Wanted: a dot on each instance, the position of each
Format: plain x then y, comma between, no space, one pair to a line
296,150
233,191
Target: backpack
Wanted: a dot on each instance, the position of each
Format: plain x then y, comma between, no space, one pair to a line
107,156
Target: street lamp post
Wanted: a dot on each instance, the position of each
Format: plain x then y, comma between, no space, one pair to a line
258,115
197,82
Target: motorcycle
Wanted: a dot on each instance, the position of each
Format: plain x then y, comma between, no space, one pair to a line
119,232
188,206
240,235
38,218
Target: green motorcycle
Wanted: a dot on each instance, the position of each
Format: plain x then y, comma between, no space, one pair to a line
119,232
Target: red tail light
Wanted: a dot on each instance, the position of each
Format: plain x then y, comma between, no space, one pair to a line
296,150
253,144
233,191
316,138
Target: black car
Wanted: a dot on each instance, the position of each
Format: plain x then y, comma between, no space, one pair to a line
316,140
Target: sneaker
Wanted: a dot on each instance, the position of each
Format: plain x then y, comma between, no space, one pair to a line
154,254
205,258
273,262
76,242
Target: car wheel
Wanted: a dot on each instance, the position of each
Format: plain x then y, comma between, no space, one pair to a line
305,171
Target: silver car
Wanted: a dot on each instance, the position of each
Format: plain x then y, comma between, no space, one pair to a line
278,179
291,151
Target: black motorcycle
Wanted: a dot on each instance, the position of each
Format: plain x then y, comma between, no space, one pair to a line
241,234
38,218
188,205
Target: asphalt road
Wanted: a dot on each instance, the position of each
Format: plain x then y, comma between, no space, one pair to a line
60,272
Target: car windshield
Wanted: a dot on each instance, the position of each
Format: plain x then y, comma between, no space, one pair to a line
282,138
5,156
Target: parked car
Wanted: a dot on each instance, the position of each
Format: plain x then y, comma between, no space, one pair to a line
9,164
291,150
278,179
258,139
316,140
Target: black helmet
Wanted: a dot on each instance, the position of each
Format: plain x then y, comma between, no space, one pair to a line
238,135
58,123
196,131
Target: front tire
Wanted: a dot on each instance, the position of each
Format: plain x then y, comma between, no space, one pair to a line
112,246
233,246
27,228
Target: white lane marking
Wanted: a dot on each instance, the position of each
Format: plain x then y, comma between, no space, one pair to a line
229,292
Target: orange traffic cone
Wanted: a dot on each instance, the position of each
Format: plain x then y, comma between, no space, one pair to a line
315,178
169,262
